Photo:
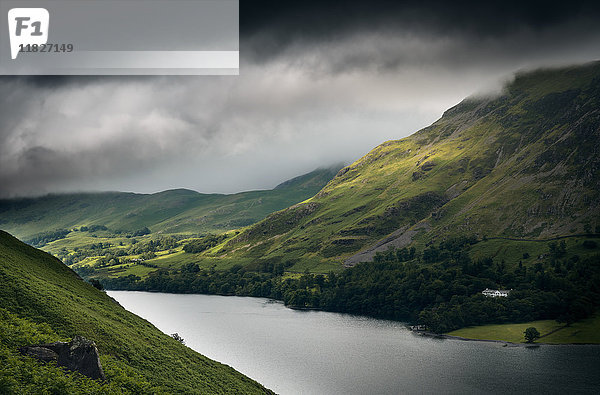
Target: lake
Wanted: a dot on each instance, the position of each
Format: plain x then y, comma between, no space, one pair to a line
313,352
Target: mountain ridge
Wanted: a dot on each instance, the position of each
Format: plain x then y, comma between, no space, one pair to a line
507,166
170,211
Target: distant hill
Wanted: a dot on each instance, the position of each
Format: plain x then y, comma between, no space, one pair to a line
173,211
524,164
42,300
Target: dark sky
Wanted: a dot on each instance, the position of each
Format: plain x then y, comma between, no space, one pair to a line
320,82
314,21
325,16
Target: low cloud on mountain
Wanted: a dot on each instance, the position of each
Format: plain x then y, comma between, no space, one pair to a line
319,84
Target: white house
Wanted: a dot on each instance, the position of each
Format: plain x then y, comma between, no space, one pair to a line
494,293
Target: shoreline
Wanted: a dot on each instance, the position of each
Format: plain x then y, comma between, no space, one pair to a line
504,342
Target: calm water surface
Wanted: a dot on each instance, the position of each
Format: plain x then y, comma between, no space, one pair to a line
309,352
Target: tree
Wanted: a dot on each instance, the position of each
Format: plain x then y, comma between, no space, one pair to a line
96,284
142,232
531,334
148,255
178,338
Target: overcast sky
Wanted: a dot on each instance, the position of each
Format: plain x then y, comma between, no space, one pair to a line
319,84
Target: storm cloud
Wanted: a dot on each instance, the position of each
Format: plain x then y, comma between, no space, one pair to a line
319,84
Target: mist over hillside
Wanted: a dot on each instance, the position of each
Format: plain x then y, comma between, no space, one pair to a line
523,164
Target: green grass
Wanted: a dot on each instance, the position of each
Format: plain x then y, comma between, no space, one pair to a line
512,251
25,375
83,239
583,332
505,332
509,251
38,288
176,260
127,269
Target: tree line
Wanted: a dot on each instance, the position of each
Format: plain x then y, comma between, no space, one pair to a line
439,287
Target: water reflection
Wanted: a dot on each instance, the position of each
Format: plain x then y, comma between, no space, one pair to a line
311,352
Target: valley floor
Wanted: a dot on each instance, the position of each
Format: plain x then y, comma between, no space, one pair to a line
552,332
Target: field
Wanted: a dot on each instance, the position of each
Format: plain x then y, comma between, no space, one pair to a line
583,332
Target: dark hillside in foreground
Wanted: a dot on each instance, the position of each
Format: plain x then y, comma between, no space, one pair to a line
42,300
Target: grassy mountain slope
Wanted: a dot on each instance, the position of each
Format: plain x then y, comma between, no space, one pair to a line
524,164
173,211
43,300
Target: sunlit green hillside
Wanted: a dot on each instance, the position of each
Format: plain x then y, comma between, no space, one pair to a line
523,164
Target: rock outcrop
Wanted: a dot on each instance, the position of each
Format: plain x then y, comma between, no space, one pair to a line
78,355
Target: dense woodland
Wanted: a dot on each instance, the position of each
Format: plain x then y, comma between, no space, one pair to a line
439,287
